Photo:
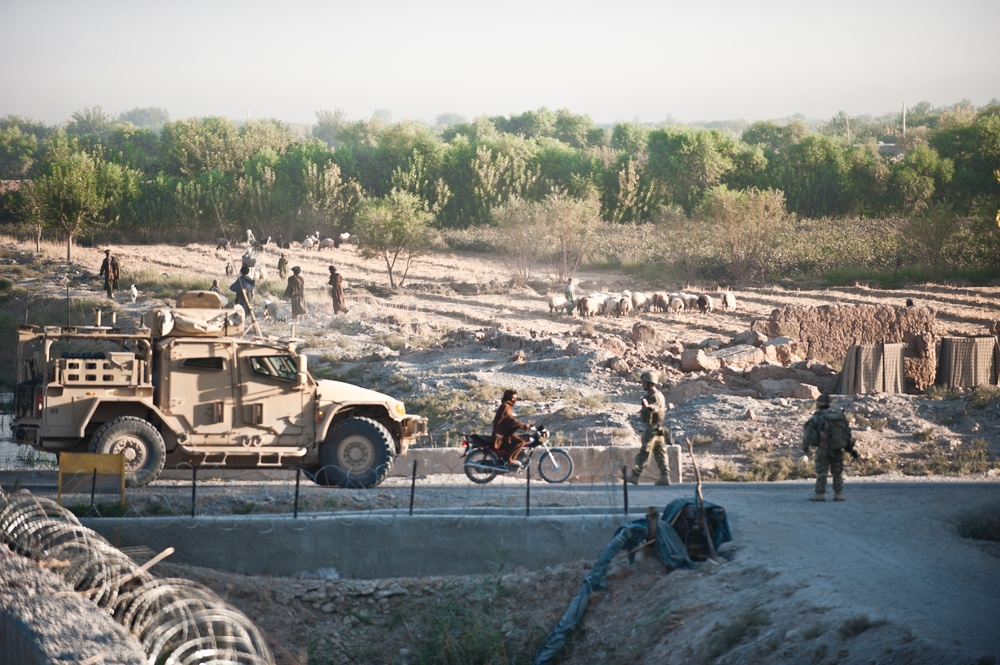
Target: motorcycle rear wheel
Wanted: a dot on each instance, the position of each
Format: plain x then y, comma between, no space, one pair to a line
555,465
475,463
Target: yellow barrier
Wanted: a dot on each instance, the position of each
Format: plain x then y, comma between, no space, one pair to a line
91,472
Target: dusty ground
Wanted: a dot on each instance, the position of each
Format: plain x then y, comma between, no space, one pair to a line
882,578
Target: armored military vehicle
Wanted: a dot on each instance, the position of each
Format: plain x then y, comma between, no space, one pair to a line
188,386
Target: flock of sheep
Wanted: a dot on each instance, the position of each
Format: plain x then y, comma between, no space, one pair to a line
627,302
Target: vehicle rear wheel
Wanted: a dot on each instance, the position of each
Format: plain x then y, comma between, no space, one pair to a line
357,453
138,442
479,465
555,465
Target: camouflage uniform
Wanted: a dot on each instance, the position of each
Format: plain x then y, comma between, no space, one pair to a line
829,461
655,436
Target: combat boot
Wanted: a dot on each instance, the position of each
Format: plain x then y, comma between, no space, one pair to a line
839,496
663,480
633,478
818,497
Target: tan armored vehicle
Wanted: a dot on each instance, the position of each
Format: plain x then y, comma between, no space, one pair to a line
189,388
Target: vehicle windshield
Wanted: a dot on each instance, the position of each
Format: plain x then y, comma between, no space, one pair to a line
277,367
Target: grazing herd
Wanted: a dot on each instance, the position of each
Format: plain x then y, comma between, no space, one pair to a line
628,303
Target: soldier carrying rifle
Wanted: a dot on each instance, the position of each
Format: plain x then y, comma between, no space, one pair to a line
828,432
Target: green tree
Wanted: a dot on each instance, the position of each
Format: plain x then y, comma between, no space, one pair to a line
813,173
930,238
332,201
519,221
91,126
396,229
151,118
18,152
433,193
633,195
67,197
197,146
328,126
916,178
569,229
685,163
973,146
630,138
748,227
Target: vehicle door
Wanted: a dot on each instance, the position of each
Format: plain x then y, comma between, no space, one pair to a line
273,407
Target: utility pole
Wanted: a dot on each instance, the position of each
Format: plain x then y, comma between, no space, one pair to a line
904,120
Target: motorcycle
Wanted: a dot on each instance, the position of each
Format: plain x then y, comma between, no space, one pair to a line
483,463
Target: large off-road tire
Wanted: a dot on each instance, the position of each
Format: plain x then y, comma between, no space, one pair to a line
555,465
136,440
357,453
479,465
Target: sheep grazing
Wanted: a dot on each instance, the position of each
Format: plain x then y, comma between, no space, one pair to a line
676,304
311,242
690,300
641,301
221,243
705,304
326,243
134,293
588,306
728,301
659,301
623,306
558,302
274,311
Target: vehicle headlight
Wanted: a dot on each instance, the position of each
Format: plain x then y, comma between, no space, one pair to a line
400,409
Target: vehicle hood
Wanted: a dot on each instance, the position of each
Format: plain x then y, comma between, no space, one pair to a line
341,393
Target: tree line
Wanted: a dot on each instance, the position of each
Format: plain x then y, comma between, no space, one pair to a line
142,177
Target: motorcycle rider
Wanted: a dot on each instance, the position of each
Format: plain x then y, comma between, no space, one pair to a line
505,440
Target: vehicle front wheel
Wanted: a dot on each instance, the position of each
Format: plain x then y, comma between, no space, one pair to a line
357,453
555,465
138,442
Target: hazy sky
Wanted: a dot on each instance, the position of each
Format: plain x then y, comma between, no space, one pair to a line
615,61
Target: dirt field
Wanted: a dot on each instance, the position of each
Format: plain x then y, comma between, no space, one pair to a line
883,578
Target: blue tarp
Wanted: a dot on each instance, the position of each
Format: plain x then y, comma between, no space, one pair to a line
669,549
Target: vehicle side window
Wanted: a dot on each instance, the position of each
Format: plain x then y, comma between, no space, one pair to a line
277,367
204,363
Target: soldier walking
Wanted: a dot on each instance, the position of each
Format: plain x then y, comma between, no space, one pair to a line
655,436
283,266
828,432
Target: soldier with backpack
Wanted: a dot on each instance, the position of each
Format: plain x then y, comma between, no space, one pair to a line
829,433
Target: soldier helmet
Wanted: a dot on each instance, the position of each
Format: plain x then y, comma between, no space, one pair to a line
650,376
823,401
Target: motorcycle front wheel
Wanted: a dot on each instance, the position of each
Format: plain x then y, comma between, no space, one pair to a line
555,465
480,465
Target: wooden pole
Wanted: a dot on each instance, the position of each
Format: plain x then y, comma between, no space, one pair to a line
702,513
